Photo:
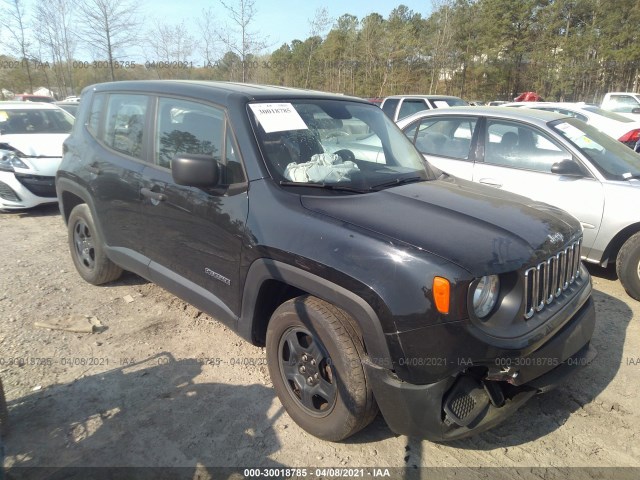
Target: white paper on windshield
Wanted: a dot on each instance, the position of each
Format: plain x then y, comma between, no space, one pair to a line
278,117
440,104
577,136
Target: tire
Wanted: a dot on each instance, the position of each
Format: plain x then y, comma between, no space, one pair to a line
314,354
87,248
628,266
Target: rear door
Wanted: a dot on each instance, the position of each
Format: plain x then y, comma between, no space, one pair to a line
194,236
116,122
518,158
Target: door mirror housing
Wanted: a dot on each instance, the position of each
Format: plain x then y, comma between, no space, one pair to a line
635,110
568,168
195,170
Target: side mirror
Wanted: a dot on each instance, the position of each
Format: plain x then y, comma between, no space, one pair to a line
195,170
635,110
567,167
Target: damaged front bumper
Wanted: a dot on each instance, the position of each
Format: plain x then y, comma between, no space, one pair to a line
479,398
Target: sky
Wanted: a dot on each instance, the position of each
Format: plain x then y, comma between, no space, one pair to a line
283,20
276,21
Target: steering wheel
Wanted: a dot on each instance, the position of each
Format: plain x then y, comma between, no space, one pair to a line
346,155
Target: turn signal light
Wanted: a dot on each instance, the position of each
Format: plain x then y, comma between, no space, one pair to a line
441,294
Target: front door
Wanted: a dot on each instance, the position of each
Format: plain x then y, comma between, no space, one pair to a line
518,158
194,235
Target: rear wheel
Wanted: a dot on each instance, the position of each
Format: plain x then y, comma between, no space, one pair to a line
314,352
87,248
628,266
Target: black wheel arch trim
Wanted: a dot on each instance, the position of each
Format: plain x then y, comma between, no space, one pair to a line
64,185
262,270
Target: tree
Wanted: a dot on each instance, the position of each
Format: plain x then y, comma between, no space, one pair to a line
13,18
318,25
110,26
208,36
171,43
54,20
241,40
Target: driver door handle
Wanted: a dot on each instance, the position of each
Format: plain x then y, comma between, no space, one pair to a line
147,193
492,182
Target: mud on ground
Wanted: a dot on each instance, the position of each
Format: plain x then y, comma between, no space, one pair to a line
160,384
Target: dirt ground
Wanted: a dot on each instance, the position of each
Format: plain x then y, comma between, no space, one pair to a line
161,384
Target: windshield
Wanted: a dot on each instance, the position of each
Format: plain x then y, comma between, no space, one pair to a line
613,159
34,121
340,145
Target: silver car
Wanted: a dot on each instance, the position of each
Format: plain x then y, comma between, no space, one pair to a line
548,157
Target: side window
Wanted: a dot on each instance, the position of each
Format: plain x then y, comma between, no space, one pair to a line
520,146
389,107
411,106
185,127
450,137
97,106
125,123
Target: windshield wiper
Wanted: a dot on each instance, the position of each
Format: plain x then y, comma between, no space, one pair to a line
326,186
396,182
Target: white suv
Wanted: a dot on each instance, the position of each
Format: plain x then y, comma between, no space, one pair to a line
31,136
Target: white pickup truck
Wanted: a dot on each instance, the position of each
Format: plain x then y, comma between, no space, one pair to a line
624,103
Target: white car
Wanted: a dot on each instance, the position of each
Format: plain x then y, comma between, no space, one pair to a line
626,104
551,158
613,124
31,136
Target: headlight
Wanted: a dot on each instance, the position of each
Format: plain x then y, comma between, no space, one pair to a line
9,161
485,295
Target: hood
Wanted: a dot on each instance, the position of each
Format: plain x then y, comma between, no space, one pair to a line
37,144
43,151
479,228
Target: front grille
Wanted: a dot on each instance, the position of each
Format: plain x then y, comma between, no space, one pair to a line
38,185
548,280
7,193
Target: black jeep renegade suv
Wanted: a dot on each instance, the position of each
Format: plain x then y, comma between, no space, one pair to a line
310,224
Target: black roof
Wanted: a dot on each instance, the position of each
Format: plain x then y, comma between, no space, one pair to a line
218,92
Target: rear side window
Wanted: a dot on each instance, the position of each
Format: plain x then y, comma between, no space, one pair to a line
445,137
409,107
124,129
185,127
97,107
389,107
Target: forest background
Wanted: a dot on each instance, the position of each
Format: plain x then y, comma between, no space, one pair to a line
568,50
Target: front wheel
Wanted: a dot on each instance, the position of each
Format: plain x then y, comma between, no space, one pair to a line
87,248
628,266
314,353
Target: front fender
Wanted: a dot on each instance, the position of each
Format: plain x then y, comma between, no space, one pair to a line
262,270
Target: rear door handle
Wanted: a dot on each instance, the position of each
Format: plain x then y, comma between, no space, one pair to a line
492,182
154,196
